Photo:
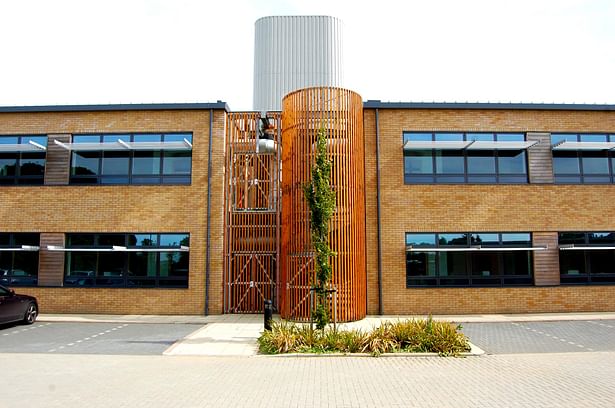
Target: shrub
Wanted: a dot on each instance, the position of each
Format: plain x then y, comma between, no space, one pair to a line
424,335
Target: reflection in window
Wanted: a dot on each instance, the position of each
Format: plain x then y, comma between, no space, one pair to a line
18,268
583,166
23,168
594,265
465,165
158,264
429,263
131,166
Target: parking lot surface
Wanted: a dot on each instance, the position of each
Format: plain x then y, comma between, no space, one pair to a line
543,337
92,338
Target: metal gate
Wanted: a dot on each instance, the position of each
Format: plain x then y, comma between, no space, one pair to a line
252,212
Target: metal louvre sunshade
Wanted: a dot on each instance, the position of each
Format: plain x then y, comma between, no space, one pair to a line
31,146
468,145
572,247
584,146
475,248
116,248
122,145
28,248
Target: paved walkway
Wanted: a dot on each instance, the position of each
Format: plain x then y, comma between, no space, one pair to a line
235,335
575,380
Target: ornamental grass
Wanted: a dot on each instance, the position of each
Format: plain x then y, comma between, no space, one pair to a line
404,336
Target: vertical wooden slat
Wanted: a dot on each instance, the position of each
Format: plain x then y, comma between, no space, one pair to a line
546,263
340,112
57,161
540,158
51,264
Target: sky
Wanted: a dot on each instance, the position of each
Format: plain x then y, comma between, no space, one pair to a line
171,51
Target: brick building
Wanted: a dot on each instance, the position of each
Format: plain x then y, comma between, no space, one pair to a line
468,208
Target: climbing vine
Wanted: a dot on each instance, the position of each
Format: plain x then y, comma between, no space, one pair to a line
321,202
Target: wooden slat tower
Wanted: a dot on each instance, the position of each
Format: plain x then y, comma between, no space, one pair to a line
252,211
340,113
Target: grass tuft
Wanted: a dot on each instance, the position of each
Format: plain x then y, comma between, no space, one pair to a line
405,336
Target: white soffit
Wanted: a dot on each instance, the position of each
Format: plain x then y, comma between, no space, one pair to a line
31,146
475,248
469,145
116,248
28,248
488,145
572,247
122,145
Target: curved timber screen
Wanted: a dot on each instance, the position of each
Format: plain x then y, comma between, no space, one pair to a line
340,113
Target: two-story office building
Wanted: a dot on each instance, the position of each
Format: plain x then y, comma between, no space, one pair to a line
467,208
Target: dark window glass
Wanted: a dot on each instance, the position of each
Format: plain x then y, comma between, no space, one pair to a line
120,268
8,164
595,163
115,163
583,166
587,266
464,165
19,268
419,162
511,161
32,164
22,168
85,163
459,259
132,166
481,162
421,239
449,162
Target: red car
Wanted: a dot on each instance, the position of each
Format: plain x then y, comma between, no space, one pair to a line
17,308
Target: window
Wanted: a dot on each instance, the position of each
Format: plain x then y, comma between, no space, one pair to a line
19,267
140,166
460,162
127,260
593,165
587,257
468,259
22,160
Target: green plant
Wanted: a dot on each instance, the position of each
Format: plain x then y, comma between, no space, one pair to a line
425,335
320,198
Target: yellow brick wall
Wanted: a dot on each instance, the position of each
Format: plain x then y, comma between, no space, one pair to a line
468,208
61,209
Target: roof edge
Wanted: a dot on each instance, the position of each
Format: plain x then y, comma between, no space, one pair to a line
116,107
376,104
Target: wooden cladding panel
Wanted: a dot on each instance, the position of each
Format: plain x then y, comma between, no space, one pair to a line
51,264
340,113
252,214
540,158
546,263
57,165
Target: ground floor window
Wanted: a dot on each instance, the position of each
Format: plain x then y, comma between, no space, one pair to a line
469,259
587,257
127,260
19,259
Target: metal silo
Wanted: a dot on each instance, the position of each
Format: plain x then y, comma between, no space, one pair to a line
293,52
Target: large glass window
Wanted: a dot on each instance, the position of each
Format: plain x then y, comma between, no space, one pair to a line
454,259
583,166
464,165
132,166
127,260
23,167
587,257
18,267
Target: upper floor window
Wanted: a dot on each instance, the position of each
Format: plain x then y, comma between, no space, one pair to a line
22,160
19,259
587,257
465,157
126,260
583,158
469,259
131,159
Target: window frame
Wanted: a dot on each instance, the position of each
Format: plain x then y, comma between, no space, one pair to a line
7,276
96,280
578,155
131,177
19,179
471,278
497,177
588,277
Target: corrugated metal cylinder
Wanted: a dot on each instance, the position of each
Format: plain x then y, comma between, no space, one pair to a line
294,52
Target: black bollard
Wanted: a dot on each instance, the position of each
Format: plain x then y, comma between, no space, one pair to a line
268,314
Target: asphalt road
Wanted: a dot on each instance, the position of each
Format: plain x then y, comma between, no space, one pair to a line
92,338
542,337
